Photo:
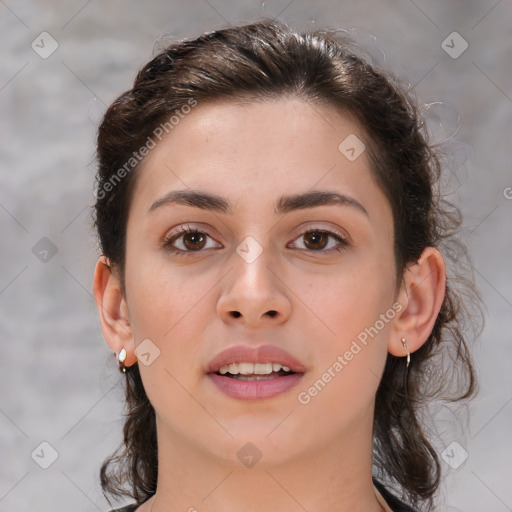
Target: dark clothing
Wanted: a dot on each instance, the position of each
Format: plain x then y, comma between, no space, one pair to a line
394,503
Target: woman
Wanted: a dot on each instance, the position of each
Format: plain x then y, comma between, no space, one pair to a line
271,279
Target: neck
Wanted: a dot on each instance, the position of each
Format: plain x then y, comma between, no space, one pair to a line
331,477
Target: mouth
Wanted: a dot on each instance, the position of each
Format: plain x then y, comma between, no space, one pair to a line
255,373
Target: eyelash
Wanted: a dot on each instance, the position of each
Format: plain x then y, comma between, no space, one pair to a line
343,242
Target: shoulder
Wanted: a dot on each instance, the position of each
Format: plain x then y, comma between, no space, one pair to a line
394,503
129,508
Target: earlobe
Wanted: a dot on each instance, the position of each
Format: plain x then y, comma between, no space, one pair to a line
113,311
421,295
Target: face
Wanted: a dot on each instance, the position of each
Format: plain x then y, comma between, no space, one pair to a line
267,261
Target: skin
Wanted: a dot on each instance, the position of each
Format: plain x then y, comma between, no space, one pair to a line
315,456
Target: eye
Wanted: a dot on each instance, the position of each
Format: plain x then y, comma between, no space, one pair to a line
321,240
186,240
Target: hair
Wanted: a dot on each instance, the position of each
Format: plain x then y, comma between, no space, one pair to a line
264,61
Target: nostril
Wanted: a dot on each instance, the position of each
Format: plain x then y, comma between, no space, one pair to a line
272,313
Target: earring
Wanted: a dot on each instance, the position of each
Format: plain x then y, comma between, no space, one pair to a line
408,354
121,359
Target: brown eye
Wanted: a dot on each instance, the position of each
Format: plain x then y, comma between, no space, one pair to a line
188,241
321,241
316,240
194,241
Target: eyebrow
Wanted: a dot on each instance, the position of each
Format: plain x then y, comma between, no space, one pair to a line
285,203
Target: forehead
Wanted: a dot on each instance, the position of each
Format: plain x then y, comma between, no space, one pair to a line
259,149
283,125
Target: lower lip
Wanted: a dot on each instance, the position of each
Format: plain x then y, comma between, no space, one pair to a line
255,389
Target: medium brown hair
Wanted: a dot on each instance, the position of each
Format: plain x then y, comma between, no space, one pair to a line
268,60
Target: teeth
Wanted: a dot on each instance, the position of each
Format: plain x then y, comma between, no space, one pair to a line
252,368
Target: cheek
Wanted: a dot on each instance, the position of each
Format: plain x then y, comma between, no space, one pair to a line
349,299
350,331
166,307
160,299
171,306
348,361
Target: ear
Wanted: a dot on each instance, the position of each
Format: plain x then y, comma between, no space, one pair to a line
421,296
113,310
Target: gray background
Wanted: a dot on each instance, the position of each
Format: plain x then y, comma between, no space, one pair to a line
57,376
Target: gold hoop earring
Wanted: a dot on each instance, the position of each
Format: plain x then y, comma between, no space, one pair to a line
408,353
121,359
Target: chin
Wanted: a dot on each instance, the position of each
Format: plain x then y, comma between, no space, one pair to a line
254,447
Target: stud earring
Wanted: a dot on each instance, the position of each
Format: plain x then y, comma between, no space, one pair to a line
121,359
408,354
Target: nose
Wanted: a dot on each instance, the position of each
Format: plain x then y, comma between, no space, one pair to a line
253,294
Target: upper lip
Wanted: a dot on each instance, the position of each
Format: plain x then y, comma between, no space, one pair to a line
259,354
